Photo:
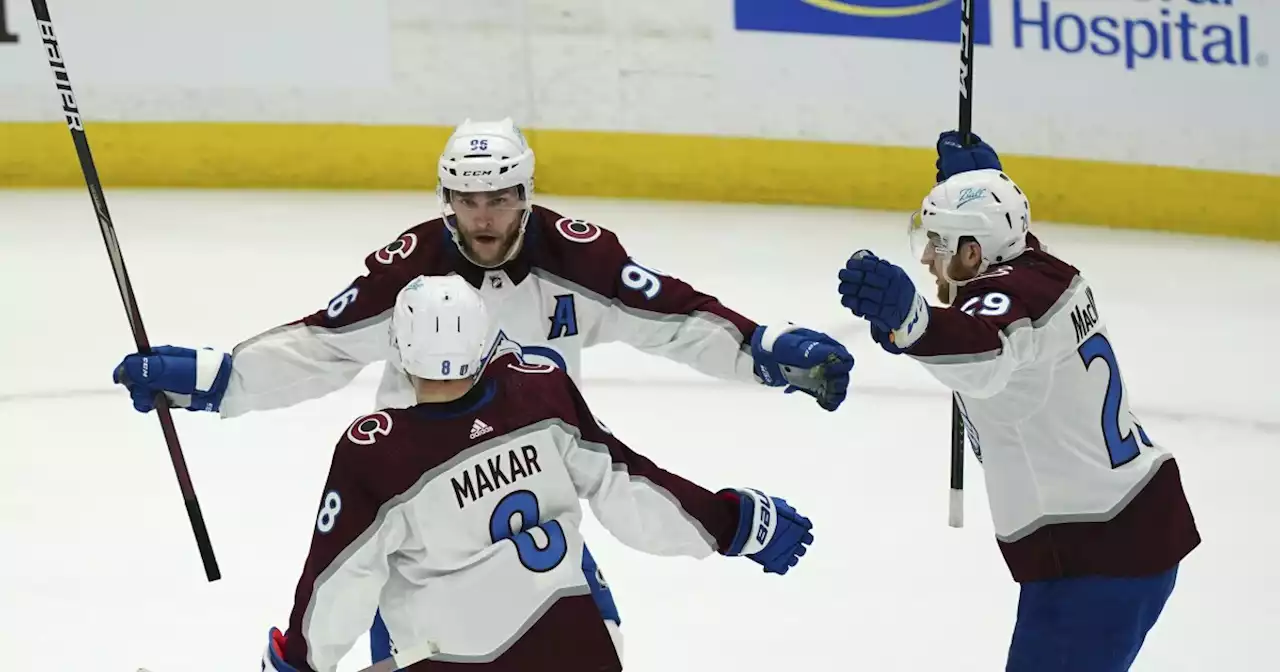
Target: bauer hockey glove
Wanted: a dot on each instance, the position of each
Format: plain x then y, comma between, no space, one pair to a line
956,157
192,379
770,532
882,293
804,360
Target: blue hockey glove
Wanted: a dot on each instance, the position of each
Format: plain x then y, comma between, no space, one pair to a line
192,379
804,360
273,657
882,293
770,532
955,157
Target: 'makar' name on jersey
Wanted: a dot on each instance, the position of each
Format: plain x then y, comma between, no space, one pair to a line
493,473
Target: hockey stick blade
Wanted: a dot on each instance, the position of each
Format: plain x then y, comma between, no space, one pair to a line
76,124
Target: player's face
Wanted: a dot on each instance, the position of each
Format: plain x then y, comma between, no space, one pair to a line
488,222
947,268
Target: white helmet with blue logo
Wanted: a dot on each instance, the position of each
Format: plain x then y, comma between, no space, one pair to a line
486,156
983,204
440,328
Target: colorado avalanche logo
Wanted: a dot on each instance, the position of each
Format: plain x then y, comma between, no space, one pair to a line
577,230
399,249
366,430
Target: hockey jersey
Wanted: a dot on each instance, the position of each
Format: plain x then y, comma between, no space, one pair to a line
572,286
461,520
1076,484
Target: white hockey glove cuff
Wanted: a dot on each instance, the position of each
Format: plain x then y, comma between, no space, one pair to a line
913,327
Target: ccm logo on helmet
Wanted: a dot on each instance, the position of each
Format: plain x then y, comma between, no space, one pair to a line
366,430
398,249
577,230
476,173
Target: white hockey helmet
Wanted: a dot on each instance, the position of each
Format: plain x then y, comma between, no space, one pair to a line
484,156
983,204
440,328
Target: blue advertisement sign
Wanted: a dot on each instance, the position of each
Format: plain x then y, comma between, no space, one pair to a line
924,20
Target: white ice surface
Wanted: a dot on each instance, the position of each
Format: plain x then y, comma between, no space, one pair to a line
101,572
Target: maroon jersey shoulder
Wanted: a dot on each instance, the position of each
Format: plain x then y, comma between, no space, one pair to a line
529,394
592,257
579,251
1024,289
420,250
1034,280
396,446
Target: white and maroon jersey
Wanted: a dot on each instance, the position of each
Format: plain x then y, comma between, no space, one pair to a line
572,286
1076,485
461,520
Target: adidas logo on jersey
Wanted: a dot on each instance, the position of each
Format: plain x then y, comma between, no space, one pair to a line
479,429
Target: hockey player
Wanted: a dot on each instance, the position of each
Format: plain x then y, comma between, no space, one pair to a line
469,539
555,284
1089,510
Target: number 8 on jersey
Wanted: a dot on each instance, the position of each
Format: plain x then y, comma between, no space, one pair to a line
535,557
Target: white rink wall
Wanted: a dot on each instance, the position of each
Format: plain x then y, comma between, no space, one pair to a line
1185,83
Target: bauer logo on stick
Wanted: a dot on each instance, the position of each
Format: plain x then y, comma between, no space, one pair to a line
923,20
69,107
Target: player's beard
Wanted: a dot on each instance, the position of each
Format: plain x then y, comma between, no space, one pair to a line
945,288
950,277
494,249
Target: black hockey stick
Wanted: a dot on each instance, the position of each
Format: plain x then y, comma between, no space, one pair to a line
956,513
76,124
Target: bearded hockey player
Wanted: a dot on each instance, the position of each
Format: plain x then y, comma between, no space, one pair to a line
1089,510
555,285
469,539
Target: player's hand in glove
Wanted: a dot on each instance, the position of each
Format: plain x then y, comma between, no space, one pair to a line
956,157
191,379
882,293
804,360
770,532
273,657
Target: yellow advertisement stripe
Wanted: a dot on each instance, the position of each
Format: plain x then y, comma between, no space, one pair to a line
633,165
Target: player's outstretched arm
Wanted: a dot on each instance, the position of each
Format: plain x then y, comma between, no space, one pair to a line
662,315
972,347
658,512
296,362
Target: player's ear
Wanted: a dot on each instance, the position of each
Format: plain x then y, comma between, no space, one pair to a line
970,252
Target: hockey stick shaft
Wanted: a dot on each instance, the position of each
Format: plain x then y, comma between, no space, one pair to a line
965,127
76,124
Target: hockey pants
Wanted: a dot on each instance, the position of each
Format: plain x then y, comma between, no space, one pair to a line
1086,624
